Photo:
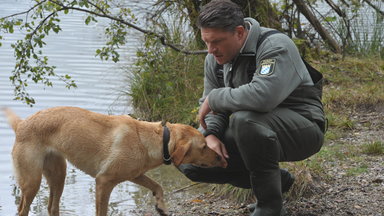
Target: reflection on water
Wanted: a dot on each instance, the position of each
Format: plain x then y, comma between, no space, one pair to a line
72,51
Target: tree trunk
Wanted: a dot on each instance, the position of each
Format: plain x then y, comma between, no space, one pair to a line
262,11
324,34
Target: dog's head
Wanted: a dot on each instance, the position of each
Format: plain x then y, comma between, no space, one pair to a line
190,147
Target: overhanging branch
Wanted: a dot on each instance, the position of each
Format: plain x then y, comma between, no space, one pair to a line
131,25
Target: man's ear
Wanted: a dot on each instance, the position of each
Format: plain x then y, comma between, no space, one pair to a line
240,30
181,150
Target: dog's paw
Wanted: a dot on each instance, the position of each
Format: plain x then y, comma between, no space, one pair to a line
162,212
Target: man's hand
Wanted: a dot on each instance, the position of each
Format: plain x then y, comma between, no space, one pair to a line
216,145
204,110
212,141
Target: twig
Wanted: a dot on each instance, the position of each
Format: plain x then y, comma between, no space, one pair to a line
42,22
24,12
335,8
105,15
186,187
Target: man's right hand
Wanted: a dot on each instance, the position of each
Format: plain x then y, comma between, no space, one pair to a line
216,145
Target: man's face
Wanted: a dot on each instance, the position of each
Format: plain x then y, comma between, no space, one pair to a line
223,45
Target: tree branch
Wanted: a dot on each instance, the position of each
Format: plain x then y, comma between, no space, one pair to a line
131,25
317,25
348,37
374,7
336,8
42,22
24,12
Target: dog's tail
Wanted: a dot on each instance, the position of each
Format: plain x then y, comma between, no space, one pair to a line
13,119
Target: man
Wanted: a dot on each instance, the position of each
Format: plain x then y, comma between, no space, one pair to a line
260,105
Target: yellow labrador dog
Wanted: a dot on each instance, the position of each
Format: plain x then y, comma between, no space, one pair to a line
111,149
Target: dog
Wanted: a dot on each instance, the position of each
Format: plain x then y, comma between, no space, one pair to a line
112,149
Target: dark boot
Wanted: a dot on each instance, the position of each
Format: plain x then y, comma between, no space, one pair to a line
266,186
287,180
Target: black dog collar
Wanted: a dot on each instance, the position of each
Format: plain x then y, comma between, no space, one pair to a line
166,136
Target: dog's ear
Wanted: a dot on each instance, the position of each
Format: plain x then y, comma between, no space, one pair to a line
180,150
159,130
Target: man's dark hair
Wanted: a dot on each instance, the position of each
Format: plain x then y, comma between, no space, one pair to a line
222,14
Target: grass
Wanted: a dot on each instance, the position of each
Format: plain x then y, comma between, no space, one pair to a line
367,37
239,195
374,148
352,82
366,33
354,171
166,85
351,85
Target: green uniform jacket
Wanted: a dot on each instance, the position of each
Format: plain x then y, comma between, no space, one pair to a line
281,79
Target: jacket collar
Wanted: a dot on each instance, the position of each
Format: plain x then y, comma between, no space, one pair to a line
249,47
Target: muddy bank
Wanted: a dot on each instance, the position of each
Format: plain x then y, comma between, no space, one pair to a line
351,185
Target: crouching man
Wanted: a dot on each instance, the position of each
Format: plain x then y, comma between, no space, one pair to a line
261,105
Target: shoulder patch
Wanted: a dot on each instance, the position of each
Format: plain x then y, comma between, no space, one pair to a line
267,67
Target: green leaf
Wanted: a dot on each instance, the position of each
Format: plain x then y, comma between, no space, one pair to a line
330,19
88,20
10,29
56,28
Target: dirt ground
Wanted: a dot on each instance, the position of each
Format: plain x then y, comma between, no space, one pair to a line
343,193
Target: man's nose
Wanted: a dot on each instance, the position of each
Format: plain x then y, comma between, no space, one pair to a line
211,49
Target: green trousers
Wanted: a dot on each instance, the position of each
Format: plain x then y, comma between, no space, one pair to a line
259,141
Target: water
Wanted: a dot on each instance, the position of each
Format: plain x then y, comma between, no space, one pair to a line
99,86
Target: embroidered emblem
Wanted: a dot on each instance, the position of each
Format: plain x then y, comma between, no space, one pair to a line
267,67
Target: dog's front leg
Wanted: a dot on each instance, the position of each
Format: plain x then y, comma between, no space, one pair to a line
104,187
157,191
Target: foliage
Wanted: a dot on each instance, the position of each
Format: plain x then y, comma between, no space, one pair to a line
42,19
165,84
